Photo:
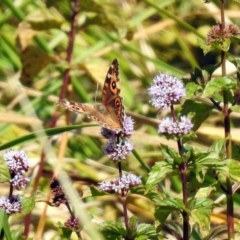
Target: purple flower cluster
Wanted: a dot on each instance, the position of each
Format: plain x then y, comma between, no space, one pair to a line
165,91
72,223
57,192
118,184
218,34
18,164
16,160
116,148
11,206
118,151
169,126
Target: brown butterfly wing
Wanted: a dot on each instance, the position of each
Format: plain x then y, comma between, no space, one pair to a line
110,94
75,107
91,112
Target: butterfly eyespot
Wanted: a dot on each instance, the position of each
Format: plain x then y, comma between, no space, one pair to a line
118,103
114,85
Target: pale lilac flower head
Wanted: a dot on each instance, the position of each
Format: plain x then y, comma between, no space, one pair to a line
17,161
126,131
168,126
117,184
11,206
118,151
19,181
128,126
165,91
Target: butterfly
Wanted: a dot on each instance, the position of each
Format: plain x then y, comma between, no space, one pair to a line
110,113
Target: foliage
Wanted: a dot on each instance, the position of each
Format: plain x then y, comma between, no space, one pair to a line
52,50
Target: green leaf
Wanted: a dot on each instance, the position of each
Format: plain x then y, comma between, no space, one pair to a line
17,234
4,172
96,192
218,146
158,173
66,232
28,204
132,222
113,230
234,169
200,214
146,231
166,207
235,108
168,153
205,47
209,159
192,89
41,134
204,192
218,84
198,112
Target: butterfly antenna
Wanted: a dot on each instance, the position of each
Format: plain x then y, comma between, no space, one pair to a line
96,95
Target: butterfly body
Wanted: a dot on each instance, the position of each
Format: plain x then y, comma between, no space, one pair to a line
110,113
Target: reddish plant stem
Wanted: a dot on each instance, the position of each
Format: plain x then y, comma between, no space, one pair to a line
123,196
71,38
125,213
63,92
227,129
183,173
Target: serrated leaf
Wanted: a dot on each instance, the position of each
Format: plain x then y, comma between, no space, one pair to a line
218,84
153,194
234,170
146,231
198,112
168,153
192,89
132,222
166,207
158,173
218,146
209,159
112,230
204,192
28,204
200,214
162,213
